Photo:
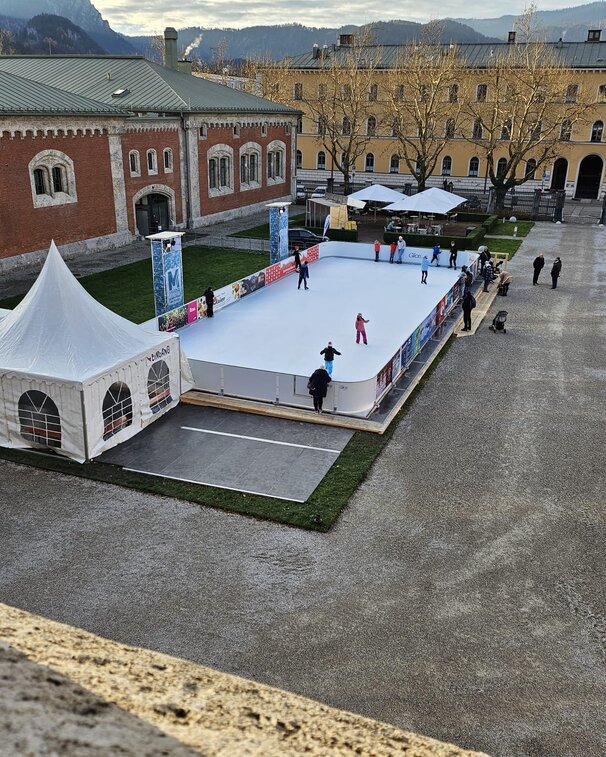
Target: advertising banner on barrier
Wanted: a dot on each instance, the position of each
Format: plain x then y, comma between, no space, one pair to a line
174,319
384,378
279,270
167,268
278,232
441,310
427,328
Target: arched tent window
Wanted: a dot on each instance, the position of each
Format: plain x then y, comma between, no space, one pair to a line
531,167
596,131
371,126
501,167
299,159
369,165
474,166
321,161
566,130
158,386
449,129
477,129
117,409
446,165
39,419
394,164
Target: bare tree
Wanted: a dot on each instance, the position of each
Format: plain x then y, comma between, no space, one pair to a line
423,101
6,42
531,105
268,78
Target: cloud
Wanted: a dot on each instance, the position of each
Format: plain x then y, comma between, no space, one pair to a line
151,16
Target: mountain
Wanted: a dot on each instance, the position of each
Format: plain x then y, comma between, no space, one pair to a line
569,23
292,39
47,34
82,13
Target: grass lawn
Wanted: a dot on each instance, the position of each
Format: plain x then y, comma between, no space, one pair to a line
262,231
128,290
506,229
510,246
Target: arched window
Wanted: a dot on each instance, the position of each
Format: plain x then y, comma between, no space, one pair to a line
117,409
394,164
474,166
298,91
253,167
52,179
322,125
481,92
501,167
39,420
212,173
299,125
346,126
299,159
596,131
224,171
276,152
369,165
531,167
250,154
398,93
168,160
566,130
220,170
446,165
449,129
158,386
373,93
243,169
134,163
506,130
371,126
152,162
321,161
477,129
453,93
602,93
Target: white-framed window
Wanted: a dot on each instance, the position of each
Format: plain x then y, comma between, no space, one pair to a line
572,91
152,162
168,160
300,125
531,167
481,93
394,164
39,420
250,156
346,126
399,93
501,168
474,167
477,130
321,161
566,130
446,165
596,131
369,163
453,93
449,128
220,160
373,93
52,179
371,126
322,125
322,88
298,91
276,163
134,163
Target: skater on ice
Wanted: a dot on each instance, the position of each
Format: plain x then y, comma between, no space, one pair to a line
303,274
454,251
377,250
297,257
436,255
318,387
401,249
329,353
210,299
360,330
392,251
424,269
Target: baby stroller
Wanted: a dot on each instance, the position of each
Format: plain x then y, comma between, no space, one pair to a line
498,322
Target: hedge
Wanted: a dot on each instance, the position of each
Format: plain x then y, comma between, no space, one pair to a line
343,235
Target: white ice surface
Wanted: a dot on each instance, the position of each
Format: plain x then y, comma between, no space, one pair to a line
282,329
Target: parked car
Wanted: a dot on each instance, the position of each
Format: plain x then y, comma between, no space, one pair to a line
319,192
301,193
302,238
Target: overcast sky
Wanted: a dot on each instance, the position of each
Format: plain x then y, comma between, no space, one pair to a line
151,16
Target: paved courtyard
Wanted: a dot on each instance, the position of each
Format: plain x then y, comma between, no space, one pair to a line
461,595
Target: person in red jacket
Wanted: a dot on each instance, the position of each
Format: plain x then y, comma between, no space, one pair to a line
377,250
360,330
392,251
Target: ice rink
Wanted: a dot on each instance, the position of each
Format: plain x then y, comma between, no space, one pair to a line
282,329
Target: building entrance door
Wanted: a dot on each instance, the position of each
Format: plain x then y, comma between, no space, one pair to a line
590,177
560,169
152,214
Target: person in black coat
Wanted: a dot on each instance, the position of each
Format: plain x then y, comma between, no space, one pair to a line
454,251
469,304
556,269
538,264
318,387
329,353
303,275
209,297
297,257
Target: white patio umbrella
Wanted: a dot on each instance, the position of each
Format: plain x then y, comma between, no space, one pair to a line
376,193
432,200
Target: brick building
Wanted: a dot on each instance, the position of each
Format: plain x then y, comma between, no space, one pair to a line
95,151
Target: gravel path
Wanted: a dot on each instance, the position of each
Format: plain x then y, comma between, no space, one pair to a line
462,593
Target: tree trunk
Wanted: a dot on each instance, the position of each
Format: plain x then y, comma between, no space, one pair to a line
500,193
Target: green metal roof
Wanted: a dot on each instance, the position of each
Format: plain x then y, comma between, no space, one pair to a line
147,87
475,55
19,95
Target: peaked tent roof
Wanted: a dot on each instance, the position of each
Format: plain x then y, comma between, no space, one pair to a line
376,193
432,200
59,331
145,86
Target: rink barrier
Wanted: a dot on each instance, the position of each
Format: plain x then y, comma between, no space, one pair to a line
356,398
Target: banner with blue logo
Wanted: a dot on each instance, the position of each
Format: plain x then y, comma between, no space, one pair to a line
278,233
167,267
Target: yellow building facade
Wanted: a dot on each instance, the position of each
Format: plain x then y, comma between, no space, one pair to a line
577,167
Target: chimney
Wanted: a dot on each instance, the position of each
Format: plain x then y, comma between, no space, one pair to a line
346,40
170,48
593,35
511,38
315,51
184,66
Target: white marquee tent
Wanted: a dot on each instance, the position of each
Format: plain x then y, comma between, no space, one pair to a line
74,376
376,193
432,200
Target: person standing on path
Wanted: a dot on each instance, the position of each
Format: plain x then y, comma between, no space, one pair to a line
392,251
469,304
454,251
318,387
297,257
538,264
401,249
556,269
487,275
360,328
209,298
329,353
303,275
424,269
436,255
377,250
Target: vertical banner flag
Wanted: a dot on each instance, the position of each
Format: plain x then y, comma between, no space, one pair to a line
278,232
167,266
